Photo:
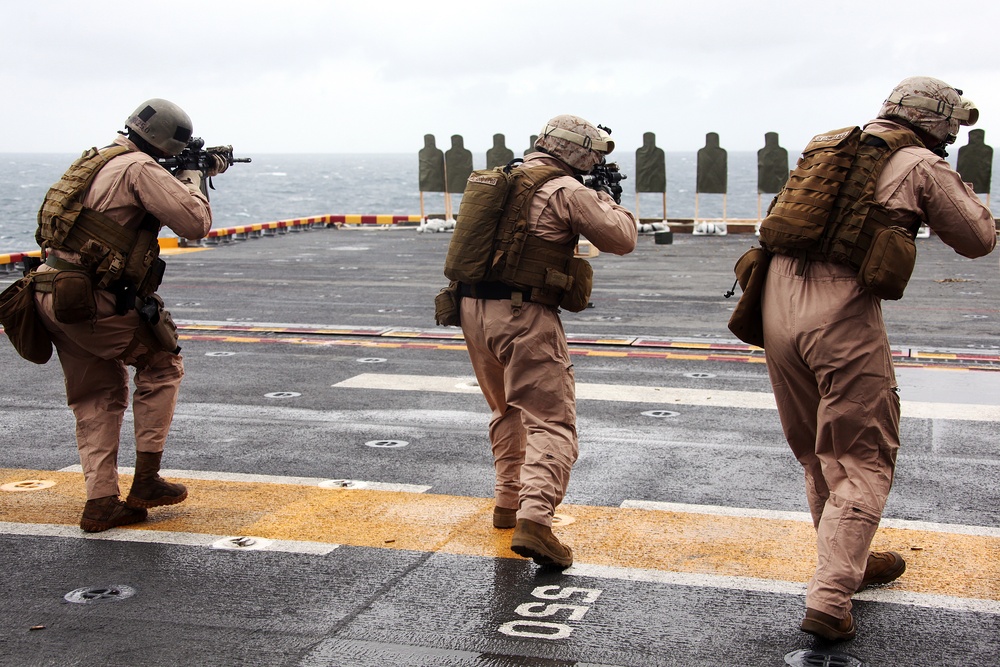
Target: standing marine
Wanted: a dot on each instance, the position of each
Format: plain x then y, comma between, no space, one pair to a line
838,250
96,297
510,316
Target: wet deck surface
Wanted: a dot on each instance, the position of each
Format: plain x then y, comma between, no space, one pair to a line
336,453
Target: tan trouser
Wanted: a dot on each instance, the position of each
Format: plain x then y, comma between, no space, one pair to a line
97,382
523,368
831,370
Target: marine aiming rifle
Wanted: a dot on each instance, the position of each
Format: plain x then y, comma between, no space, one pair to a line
606,176
196,157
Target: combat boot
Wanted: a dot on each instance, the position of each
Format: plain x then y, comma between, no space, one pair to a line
536,541
883,567
829,627
100,514
148,488
504,517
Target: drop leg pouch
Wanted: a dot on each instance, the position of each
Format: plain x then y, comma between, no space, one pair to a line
21,322
747,320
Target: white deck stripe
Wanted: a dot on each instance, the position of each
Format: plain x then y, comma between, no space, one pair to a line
213,476
884,596
162,537
660,395
805,517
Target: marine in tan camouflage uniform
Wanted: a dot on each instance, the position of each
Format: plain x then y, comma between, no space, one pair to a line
829,361
520,355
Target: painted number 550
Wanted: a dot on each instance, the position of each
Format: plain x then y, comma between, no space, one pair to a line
563,611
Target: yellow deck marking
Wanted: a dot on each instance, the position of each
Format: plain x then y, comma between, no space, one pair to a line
286,339
181,251
952,565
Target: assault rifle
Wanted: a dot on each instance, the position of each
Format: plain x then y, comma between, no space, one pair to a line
195,156
606,176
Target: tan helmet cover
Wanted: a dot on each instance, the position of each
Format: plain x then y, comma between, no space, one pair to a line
932,105
575,141
163,124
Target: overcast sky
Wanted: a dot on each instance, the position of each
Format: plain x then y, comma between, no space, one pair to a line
373,76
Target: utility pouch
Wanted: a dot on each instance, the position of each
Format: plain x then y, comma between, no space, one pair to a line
160,332
73,297
747,320
576,293
21,322
889,263
446,306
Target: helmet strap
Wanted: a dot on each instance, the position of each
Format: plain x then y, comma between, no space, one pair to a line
964,112
600,145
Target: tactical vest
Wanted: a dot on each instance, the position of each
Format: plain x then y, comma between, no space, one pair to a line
492,243
827,209
110,252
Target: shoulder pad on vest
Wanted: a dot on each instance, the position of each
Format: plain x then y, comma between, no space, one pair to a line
895,139
538,174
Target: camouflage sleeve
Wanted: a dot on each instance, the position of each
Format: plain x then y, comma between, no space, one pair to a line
184,211
935,193
595,216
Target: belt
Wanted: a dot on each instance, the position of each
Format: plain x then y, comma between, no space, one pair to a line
43,280
491,290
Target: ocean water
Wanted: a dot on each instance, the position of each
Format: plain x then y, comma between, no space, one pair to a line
278,187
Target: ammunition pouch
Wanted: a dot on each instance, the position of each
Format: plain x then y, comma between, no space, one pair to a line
575,285
888,265
21,322
747,320
72,296
447,311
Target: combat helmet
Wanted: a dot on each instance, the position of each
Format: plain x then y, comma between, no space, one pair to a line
575,141
163,124
930,105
